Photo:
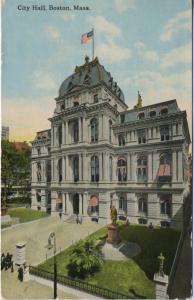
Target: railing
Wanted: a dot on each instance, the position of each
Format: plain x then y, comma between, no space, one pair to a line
80,284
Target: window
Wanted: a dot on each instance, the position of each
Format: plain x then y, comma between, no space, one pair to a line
110,131
152,113
165,204
94,169
164,133
59,168
141,116
122,169
59,132
38,172
96,98
38,150
123,203
75,103
142,168
38,195
48,171
49,150
151,131
76,168
59,202
164,111
62,107
142,205
142,221
75,127
121,139
164,170
122,118
141,135
93,205
110,167
177,128
94,130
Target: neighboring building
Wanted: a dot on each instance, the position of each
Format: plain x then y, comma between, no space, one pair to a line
21,146
98,153
5,133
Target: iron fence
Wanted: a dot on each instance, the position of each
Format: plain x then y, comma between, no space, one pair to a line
80,284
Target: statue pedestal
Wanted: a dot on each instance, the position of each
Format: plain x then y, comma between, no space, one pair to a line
113,234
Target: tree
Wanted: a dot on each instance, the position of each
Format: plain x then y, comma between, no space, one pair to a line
15,168
85,260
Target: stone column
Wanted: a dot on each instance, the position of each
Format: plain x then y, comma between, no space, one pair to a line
106,166
85,203
64,202
149,168
180,166
128,167
85,167
80,204
161,286
80,167
63,168
52,135
69,204
100,128
101,175
132,207
155,164
134,166
174,166
114,168
66,133
80,129
85,129
63,133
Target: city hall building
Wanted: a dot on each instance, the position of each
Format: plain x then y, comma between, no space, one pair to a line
99,153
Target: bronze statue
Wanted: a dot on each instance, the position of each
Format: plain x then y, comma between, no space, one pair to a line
161,259
113,215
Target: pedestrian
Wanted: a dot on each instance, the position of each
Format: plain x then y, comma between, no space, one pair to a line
150,226
60,215
20,273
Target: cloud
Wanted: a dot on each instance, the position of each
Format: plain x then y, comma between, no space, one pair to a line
145,53
124,5
111,52
156,87
178,55
43,81
53,33
26,116
68,17
182,21
103,25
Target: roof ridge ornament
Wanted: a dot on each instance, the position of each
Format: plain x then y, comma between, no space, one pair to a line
139,102
86,64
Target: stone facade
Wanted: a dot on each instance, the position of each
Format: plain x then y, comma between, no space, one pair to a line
99,153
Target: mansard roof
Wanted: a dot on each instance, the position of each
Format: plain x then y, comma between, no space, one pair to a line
89,75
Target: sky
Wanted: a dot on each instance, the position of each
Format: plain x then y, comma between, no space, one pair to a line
144,44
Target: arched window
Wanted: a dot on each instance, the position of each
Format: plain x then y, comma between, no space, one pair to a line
141,116
59,132
59,202
164,111
38,195
76,103
76,168
38,171
110,167
152,113
164,170
110,131
94,130
94,168
142,205
75,127
165,204
59,168
122,169
142,168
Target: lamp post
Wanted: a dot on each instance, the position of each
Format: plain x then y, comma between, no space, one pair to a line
50,246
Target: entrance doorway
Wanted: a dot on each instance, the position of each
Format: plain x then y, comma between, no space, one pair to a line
76,204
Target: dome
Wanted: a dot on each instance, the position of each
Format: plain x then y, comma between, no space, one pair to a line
89,75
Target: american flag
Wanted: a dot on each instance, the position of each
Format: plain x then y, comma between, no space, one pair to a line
87,37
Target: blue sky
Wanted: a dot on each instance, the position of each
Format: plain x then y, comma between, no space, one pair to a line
145,44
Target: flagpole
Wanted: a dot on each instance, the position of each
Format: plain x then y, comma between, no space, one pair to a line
93,45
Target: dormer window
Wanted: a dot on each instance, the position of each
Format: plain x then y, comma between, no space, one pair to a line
96,98
141,116
76,103
152,114
164,111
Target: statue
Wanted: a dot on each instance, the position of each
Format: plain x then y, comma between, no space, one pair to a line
139,101
113,215
161,267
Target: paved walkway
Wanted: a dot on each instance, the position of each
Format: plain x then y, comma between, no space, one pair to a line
124,251
12,288
182,283
35,234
